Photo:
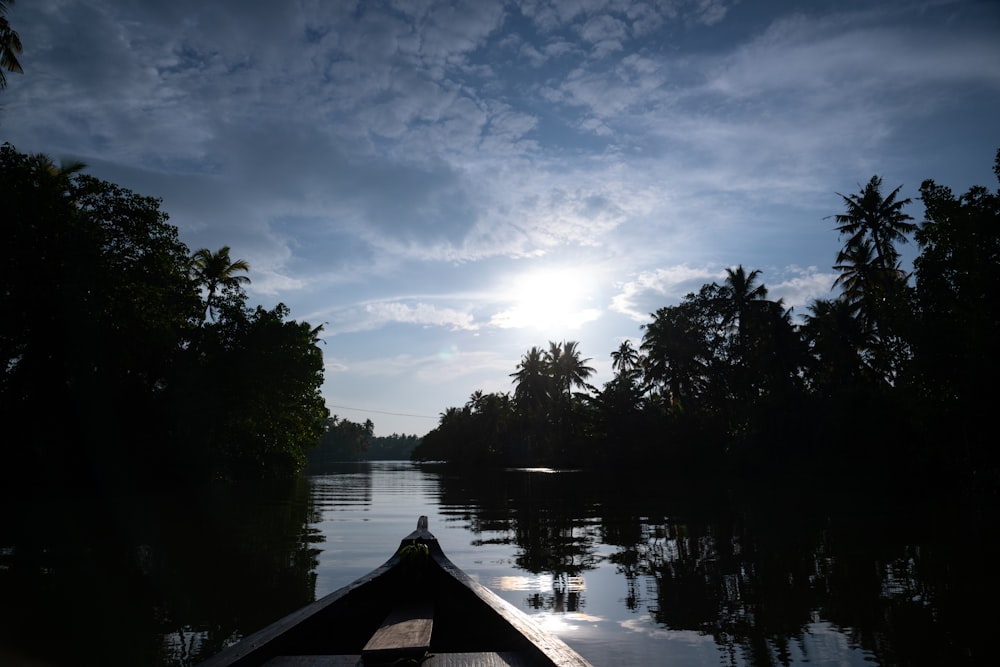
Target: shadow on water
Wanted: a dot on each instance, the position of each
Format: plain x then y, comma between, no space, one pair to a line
761,569
904,578
151,579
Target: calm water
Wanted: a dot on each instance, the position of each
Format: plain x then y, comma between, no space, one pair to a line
626,573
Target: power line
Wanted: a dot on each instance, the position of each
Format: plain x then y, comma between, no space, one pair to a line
381,412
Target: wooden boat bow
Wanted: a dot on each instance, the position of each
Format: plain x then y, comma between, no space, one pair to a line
418,608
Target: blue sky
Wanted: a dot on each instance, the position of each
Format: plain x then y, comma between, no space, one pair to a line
443,185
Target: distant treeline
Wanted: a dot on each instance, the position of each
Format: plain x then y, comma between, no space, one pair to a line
349,441
896,376
125,357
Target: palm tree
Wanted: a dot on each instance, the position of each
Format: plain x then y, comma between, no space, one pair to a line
677,353
59,174
870,288
740,293
876,218
531,398
871,277
216,270
839,343
532,381
855,264
10,46
625,360
568,370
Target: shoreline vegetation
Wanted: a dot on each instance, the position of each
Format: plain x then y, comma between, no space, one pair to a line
889,385
132,357
125,356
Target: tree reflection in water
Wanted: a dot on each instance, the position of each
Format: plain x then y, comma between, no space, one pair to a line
151,578
566,596
758,573
768,576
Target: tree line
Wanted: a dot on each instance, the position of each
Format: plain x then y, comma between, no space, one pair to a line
345,440
125,355
896,373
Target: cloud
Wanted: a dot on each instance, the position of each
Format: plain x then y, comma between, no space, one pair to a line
447,365
421,313
357,152
604,33
375,315
273,283
561,319
795,286
801,286
669,284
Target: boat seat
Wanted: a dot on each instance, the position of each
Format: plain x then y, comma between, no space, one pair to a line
405,633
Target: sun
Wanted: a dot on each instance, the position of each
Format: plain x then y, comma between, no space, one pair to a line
550,300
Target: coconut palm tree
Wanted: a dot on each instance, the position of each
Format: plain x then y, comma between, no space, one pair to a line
568,370
625,360
867,286
855,264
878,219
60,174
840,345
10,46
215,270
532,381
871,277
741,302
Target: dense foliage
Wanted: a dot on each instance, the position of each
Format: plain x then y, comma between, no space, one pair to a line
896,374
121,353
345,440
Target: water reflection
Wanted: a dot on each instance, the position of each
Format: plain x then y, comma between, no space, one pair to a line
627,572
770,581
150,579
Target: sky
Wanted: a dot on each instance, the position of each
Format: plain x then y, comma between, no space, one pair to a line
443,185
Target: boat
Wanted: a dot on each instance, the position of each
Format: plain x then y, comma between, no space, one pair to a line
418,608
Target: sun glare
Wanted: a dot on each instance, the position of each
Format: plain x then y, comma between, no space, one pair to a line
551,300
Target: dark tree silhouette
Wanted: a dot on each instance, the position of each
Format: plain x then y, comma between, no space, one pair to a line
217,272
532,381
625,360
880,220
871,277
10,46
567,369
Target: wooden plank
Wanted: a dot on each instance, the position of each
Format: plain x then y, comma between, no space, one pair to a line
434,660
406,632
477,660
314,661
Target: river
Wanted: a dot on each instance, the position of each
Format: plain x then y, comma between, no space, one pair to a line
627,572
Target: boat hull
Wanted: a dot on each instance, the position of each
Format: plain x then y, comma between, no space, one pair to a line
471,624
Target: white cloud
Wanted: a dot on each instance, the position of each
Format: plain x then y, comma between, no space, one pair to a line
351,152
422,314
666,284
376,315
605,33
272,283
449,364
802,287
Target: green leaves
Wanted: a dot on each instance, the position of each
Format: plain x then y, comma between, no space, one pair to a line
106,363
10,46
215,271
